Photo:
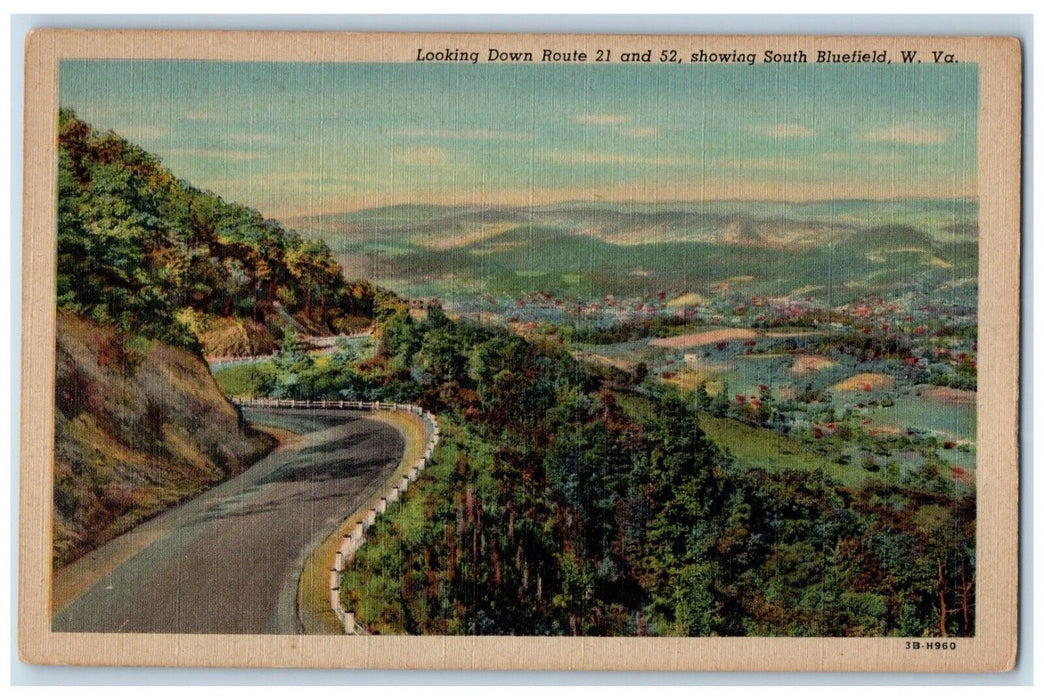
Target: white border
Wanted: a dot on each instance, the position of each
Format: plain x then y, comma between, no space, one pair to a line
22,674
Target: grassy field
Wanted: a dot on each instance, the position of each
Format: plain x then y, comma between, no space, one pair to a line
772,451
762,448
244,379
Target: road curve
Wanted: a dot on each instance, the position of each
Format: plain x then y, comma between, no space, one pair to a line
229,560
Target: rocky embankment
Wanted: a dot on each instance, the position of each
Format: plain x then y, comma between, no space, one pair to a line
139,426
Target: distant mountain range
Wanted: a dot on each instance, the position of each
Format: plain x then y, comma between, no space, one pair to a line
832,250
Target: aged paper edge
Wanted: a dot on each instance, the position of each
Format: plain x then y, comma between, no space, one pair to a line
994,648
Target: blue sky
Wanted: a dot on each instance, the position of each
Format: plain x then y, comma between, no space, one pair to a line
307,139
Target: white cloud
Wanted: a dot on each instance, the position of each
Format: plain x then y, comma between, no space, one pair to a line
143,133
462,134
254,137
600,158
640,132
909,134
313,179
426,156
770,163
603,119
200,116
851,157
786,131
214,154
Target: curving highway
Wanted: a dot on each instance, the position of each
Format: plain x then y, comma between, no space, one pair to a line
228,561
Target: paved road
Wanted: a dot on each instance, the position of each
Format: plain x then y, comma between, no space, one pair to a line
229,560
322,343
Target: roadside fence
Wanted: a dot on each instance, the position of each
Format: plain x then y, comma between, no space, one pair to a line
396,489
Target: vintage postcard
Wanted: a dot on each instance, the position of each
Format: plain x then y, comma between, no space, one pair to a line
465,351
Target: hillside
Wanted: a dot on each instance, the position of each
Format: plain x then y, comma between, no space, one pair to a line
139,426
587,250
148,253
572,498
153,273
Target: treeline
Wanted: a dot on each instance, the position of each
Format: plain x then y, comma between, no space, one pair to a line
142,250
553,508
658,326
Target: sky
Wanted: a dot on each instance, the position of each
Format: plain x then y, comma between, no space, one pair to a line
306,139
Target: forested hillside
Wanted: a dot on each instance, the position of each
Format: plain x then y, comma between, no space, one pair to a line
151,254
151,272
578,499
567,497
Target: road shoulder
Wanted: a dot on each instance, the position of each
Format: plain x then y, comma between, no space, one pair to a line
78,576
313,606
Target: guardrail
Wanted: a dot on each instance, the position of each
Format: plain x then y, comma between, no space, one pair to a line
353,540
322,342
345,405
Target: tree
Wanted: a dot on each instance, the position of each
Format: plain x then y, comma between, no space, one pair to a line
703,398
721,400
136,247
292,364
345,355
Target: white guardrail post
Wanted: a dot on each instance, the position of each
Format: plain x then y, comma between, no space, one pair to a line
351,542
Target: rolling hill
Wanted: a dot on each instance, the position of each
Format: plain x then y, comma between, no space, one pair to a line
843,249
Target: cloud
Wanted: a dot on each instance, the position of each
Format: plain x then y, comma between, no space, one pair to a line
426,156
786,131
870,158
909,134
200,116
599,158
603,119
143,133
254,137
668,189
460,134
315,179
770,163
640,132
214,154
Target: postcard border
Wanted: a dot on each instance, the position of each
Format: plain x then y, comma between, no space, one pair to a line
994,647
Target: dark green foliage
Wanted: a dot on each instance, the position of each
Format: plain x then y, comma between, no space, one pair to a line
551,510
137,248
292,365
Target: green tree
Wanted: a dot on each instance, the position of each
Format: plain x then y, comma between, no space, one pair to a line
292,366
703,398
